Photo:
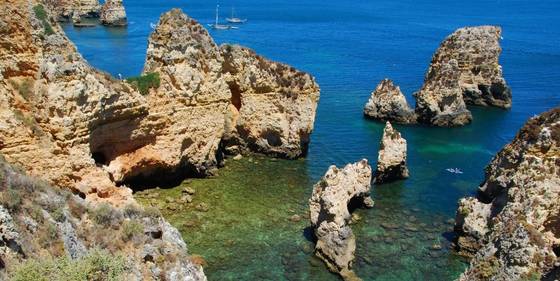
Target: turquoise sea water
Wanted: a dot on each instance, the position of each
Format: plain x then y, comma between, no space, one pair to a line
349,47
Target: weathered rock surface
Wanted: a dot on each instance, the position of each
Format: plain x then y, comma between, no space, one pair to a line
387,103
391,161
65,10
112,13
272,107
513,226
49,222
188,109
330,216
464,70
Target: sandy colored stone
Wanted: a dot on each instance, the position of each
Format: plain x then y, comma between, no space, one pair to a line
464,70
513,225
387,103
391,160
112,13
330,216
64,10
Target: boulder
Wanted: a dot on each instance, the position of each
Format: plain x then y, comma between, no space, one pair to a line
112,13
387,103
272,106
65,10
464,70
391,161
512,227
330,214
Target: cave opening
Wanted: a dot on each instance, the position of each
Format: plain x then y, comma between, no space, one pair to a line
99,158
356,202
235,94
273,138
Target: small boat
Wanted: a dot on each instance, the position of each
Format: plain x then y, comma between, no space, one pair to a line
219,26
234,19
454,170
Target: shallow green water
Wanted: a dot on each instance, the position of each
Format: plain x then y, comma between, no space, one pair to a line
247,234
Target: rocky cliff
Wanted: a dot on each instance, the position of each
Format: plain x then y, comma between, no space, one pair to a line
512,227
49,233
387,103
272,106
112,13
64,10
391,161
464,70
333,195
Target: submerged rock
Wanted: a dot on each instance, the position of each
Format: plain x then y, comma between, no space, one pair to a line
272,106
113,13
513,226
330,216
464,70
391,162
387,103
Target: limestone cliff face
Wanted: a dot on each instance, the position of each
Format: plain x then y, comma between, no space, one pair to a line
391,161
330,216
62,119
188,108
513,226
272,107
38,221
464,70
387,103
64,10
112,13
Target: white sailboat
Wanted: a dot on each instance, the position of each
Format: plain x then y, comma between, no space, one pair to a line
234,19
219,26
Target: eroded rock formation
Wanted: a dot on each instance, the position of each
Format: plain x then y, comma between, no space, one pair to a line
464,70
513,226
391,161
330,215
39,222
112,13
188,109
387,103
65,10
272,106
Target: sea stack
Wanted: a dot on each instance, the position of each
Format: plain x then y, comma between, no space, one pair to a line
273,105
464,70
391,162
387,103
330,216
512,227
113,13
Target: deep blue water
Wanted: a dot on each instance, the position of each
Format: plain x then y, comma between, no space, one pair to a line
349,47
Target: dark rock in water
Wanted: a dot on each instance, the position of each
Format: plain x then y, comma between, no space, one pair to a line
391,162
330,216
387,103
513,225
464,70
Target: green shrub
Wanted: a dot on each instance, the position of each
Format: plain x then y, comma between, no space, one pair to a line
145,82
152,212
130,229
96,265
11,199
42,15
105,215
132,211
58,215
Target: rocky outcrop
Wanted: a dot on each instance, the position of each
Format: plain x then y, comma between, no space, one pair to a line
272,107
188,109
387,103
112,13
330,215
464,70
39,222
513,226
391,161
64,10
